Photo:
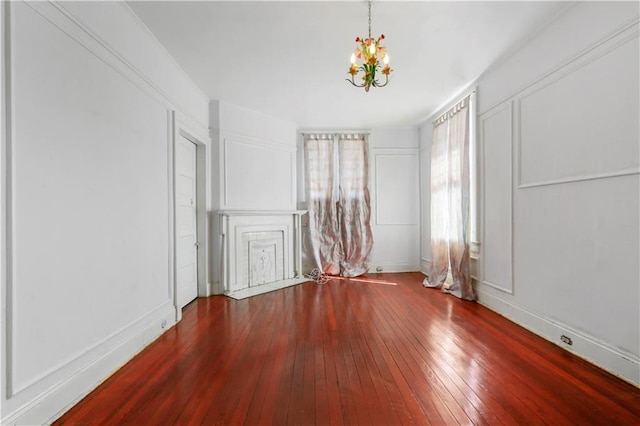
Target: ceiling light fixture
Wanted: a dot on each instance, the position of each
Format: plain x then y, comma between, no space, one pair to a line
370,52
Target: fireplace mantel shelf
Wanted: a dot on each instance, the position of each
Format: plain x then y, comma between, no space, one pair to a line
261,212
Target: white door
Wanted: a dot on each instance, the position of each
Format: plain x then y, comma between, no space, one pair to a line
186,231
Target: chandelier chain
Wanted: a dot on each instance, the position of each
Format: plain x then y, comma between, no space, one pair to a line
369,18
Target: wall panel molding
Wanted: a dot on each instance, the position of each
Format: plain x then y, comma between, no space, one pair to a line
58,15
581,178
42,379
6,241
491,228
620,35
381,156
78,377
587,79
265,155
39,395
572,120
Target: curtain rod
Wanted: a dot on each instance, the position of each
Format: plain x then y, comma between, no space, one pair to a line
334,132
454,109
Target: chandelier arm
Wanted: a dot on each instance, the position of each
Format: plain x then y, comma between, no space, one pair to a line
376,84
356,85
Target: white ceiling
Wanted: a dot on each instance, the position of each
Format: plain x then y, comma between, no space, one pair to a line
290,59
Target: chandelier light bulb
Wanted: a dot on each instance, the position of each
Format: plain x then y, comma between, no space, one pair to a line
353,58
386,59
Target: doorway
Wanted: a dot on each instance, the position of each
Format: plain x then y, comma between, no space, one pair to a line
186,220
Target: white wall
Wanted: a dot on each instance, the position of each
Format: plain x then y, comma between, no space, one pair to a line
395,199
86,264
257,161
254,162
560,163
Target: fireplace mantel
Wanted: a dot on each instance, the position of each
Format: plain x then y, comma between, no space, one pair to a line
297,213
243,229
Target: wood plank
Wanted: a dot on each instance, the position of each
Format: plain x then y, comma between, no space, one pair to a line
354,352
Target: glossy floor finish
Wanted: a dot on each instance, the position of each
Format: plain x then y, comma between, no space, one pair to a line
354,353
265,288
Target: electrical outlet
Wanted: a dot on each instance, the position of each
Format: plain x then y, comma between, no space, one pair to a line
566,339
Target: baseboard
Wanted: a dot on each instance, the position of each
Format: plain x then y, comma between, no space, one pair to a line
617,362
213,288
394,267
118,349
217,288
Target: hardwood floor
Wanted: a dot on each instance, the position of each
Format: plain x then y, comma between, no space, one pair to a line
354,353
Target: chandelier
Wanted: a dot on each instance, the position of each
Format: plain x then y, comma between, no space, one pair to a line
370,52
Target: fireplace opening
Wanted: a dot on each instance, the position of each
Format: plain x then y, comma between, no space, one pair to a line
263,257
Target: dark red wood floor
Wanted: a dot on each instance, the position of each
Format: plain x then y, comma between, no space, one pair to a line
354,353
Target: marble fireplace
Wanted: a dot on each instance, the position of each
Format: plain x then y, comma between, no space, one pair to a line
260,248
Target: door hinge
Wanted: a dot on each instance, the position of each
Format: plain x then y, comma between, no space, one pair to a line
197,244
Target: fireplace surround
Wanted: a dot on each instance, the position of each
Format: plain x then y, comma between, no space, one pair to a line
259,248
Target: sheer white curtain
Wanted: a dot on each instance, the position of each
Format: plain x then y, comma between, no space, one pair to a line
339,224
450,203
354,206
319,158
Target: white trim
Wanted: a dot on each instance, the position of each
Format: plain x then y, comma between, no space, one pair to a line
258,141
513,50
411,153
58,371
587,57
332,131
216,287
260,212
40,400
163,49
171,260
608,43
582,178
203,199
497,286
228,137
65,21
402,150
394,267
508,107
468,90
6,138
93,369
622,364
55,373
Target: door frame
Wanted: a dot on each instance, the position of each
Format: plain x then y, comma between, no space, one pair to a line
180,126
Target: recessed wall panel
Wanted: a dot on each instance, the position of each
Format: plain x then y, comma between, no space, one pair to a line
584,124
397,196
90,201
496,243
258,176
